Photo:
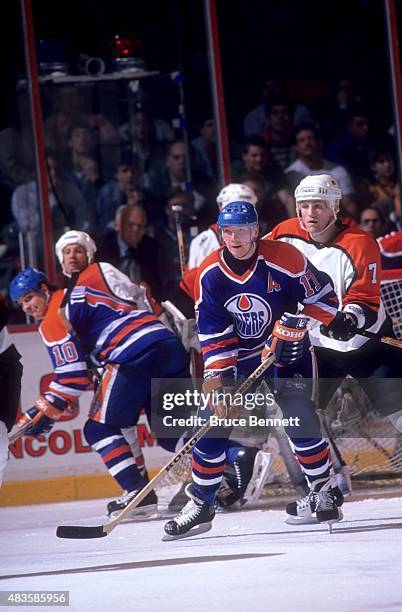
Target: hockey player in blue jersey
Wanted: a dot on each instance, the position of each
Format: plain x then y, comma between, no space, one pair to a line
130,344
241,290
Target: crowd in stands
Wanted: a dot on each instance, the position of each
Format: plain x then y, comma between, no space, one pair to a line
120,182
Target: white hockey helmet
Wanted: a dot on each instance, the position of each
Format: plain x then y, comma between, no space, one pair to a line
235,192
75,237
319,187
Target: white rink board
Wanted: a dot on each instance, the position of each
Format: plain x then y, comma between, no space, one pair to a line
63,452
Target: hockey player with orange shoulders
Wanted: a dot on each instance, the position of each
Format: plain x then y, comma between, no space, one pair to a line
89,324
76,251
352,259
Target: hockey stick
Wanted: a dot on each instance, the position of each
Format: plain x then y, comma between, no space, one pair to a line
338,462
180,239
100,531
384,339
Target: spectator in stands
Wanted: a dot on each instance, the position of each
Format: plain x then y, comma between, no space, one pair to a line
383,188
169,254
114,193
351,148
270,204
129,249
67,204
17,159
255,159
310,161
204,148
147,152
279,133
70,107
256,120
372,221
81,167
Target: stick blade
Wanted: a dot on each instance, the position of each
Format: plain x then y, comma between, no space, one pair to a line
80,532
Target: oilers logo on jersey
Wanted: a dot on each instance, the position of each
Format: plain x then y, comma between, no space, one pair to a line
251,314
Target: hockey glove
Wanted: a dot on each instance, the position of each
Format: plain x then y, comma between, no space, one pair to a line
343,327
287,339
219,398
43,416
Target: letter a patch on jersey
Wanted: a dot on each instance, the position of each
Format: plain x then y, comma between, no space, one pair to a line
272,285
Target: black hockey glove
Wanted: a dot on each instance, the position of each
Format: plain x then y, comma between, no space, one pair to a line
343,327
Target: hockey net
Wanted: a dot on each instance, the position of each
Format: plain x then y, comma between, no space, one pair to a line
370,445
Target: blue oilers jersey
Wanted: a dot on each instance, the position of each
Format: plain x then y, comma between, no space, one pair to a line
96,326
235,314
110,329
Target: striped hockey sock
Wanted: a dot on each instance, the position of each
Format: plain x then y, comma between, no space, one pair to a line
116,454
207,471
314,456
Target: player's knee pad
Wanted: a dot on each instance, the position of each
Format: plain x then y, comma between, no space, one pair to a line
94,431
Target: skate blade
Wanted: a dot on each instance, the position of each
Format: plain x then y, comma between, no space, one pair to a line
332,521
311,520
195,531
261,467
301,520
143,513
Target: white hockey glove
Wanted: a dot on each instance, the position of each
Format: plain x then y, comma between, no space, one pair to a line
185,329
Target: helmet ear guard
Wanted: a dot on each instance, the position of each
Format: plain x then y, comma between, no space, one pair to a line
75,237
29,279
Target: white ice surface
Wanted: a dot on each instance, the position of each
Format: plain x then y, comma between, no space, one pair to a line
250,560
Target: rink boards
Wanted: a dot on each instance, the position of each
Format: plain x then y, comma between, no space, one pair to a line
60,466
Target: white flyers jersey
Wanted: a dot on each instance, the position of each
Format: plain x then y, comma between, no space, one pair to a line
202,245
353,262
105,277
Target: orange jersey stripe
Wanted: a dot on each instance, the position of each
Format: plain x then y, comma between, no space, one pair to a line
125,332
206,470
116,452
220,364
314,458
318,313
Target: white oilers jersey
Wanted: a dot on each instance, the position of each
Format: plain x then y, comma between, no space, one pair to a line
202,245
353,262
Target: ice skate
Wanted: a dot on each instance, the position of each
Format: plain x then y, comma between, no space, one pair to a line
250,471
321,505
195,518
147,508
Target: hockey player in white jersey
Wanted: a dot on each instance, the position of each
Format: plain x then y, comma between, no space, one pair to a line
352,258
